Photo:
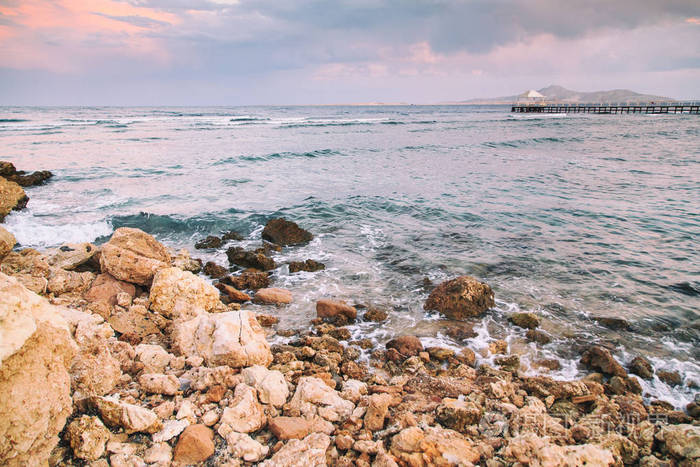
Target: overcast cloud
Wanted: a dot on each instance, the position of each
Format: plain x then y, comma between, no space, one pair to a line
227,52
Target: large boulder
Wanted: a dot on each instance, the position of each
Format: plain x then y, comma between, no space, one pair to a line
105,288
682,442
460,298
7,242
250,259
175,292
22,178
133,256
233,338
284,232
12,197
36,348
600,359
29,267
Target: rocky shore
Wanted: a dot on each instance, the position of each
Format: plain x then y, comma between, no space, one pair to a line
126,355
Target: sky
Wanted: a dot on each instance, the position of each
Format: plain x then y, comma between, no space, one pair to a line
276,52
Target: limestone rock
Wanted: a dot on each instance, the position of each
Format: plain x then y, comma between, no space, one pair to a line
525,320
232,293
35,348
214,271
152,383
309,266
599,358
250,259
95,371
285,428
159,453
133,256
28,267
196,444
273,296
353,390
128,416
174,290
457,414
244,414
284,233
233,338
243,446
270,384
153,357
105,288
681,441
408,346
7,242
376,315
310,451
62,281
71,255
314,397
171,428
377,410
12,197
530,449
249,279
461,298
641,367
433,446
88,437
331,308
137,322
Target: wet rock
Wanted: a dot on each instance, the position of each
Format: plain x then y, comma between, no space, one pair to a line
540,337
407,346
233,338
508,363
105,288
616,324
467,356
273,296
88,437
599,358
309,451
244,414
693,409
498,347
242,446
7,242
461,298
214,271
672,378
133,256
250,279
681,441
284,233
71,255
231,235
250,259
22,178
152,383
623,450
186,263
12,197
440,354
175,292
461,331
35,348
375,314
457,414
525,320
332,309
314,397
377,411
208,243
196,444
270,384
641,367
309,266
529,449
433,446
232,293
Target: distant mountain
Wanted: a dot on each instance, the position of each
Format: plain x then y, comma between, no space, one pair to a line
561,94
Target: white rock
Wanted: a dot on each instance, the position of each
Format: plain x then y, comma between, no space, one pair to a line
187,410
310,451
171,428
271,385
178,294
245,414
153,357
314,397
353,390
154,383
159,453
243,446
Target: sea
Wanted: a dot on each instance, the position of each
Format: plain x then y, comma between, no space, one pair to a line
571,217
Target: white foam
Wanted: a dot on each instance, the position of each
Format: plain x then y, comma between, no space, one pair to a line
33,232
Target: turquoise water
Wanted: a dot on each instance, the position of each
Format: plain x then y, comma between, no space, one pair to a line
571,217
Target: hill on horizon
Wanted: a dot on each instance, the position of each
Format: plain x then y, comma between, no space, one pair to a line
561,94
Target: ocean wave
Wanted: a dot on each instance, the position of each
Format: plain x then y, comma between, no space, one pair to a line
13,120
33,232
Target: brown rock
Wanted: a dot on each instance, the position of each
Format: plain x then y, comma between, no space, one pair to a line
467,356
641,367
540,337
209,242
525,320
461,331
672,378
285,428
617,324
498,347
214,271
232,293
599,358
377,410
408,346
105,289
461,298
133,256
250,279
12,197
250,259
273,296
267,321
7,242
376,315
71,255
284,233
88,437
457,414
196,444
8,171
309,266
137,322
176,293
331,309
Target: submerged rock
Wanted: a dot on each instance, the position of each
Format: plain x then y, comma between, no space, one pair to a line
208,243
273,296
461,298
599,358
36,347
250,259
525,320
12,197
309,266
133,256
284,233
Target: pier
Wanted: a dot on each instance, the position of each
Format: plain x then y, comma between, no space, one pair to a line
665,108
